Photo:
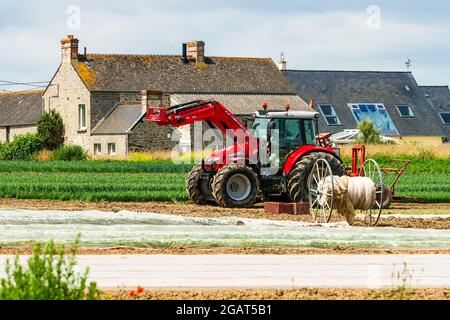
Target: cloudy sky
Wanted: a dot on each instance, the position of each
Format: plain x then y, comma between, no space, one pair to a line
328,34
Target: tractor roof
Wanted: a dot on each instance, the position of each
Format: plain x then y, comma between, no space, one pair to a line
286,114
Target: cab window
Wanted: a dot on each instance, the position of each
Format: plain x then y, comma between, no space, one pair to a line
310,135
289,133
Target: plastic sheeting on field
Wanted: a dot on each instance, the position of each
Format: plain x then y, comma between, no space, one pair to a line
18,227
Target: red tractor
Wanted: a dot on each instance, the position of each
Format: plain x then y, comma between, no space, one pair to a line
239,175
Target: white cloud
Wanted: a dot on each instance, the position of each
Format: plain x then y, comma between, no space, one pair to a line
318,40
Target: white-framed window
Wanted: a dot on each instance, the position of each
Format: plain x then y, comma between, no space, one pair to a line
97,149
111,149
377,114
445,117
330,115
405,111
82,117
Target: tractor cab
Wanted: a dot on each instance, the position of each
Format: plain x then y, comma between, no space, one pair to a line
285,131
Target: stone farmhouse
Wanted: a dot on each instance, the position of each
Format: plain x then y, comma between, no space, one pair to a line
103,97
19,113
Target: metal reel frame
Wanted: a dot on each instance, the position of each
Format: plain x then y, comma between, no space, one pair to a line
371,169
320,212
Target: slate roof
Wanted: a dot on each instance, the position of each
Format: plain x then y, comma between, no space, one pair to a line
245,103
438,96
123,117
390,88
120,119
115,72
20,108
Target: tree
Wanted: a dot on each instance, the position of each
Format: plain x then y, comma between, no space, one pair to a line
368,134
50,129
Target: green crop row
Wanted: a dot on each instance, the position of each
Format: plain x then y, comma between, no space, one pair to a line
164,181
415,167
94,186
163,186
94,166
426,187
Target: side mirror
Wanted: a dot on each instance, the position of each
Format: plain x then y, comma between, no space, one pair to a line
316,123
270,127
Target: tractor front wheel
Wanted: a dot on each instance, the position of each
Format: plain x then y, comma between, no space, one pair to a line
199,189
235,186
298,178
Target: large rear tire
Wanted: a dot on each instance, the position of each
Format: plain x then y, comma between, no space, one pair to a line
199,190
298,177
235,186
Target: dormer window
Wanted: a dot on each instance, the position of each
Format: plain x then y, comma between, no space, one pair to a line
377,114
445,117
405,111
330,115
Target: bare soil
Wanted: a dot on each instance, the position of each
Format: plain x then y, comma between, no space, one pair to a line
256,211
223,250
277,294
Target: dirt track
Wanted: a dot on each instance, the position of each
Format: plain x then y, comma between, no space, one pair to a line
201,251
297,294
254,212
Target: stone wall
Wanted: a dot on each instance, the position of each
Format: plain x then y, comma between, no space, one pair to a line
64,94
101,104
147,136
119,140
3,137
130,97
17,131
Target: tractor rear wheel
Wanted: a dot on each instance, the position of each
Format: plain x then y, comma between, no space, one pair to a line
298,178
199,189
235,186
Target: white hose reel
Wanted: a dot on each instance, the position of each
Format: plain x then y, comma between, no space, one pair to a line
323,192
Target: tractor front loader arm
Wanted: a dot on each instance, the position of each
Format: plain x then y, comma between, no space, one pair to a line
198,110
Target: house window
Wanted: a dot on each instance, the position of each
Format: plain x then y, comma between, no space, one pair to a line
329,114
377,113
81,117
8,134
111,149
97,149
405,111
445,116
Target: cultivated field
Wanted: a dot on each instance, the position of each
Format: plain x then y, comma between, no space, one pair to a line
427,180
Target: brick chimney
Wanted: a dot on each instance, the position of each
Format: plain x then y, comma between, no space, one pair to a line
69,48
151,98
196,51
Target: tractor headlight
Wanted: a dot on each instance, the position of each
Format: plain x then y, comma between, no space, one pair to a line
236,155
212,160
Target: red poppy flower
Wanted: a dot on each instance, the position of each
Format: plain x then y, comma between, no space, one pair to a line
140,289
132,293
